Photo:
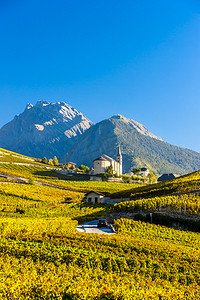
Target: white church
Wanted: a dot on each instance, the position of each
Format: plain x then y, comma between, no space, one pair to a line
101,164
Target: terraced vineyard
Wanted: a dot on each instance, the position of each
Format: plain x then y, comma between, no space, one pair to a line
16,165
184,183
42,256
12,157
185,204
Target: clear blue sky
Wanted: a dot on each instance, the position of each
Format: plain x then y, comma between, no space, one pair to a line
137,58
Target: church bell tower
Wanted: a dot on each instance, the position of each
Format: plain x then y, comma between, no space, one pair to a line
119,160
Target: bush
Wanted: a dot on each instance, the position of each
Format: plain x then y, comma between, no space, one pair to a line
44,160
19,210
31,181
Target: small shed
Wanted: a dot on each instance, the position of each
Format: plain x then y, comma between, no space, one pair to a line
94,197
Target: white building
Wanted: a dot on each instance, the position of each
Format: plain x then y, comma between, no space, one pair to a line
101,164
144,172
94,197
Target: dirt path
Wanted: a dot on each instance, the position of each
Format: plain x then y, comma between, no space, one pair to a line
23,180
27,164
57,187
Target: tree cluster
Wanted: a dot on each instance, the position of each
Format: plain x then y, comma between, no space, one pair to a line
51,162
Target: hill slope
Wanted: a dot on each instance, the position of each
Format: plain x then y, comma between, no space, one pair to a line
139,148
45,129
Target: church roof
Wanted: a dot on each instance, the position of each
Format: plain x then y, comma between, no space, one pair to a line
108,157
100,158
105,158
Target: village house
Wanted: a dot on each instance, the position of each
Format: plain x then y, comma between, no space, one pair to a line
94,197
144,172
70,165
101,164
165,177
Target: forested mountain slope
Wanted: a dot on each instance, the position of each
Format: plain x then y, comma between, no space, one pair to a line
139,148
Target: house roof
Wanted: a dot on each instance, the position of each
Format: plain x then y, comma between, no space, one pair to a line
95,193
166,177
144,169
71,163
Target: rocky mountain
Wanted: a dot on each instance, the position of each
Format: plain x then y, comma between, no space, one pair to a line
139,147
44,129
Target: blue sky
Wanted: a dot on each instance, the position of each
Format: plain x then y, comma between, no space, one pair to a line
137,58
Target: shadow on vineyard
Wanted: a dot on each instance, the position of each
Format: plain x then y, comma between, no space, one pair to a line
169,221
97,211
58,176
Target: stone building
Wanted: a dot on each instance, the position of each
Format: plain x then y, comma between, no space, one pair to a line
94,197
101,164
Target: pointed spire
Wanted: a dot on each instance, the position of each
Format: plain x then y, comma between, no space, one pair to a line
119,151
119,160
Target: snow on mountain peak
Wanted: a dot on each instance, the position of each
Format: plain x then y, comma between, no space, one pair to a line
42,103
29,106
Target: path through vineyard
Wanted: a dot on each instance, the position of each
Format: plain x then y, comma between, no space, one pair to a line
25,180
91,227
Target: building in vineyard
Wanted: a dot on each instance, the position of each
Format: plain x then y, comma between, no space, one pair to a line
104,162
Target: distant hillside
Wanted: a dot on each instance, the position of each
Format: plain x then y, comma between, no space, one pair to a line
182,184
139,148
45,129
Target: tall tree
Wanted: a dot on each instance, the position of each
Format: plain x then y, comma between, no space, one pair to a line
44,160
136,171
55,161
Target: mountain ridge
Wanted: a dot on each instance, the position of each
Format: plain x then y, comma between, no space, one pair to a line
138,126
44,129
49,129
138,150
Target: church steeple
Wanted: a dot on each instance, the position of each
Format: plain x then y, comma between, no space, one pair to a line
119,151
119,160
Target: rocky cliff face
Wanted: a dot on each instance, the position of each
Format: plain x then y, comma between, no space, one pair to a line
140,148
44,129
